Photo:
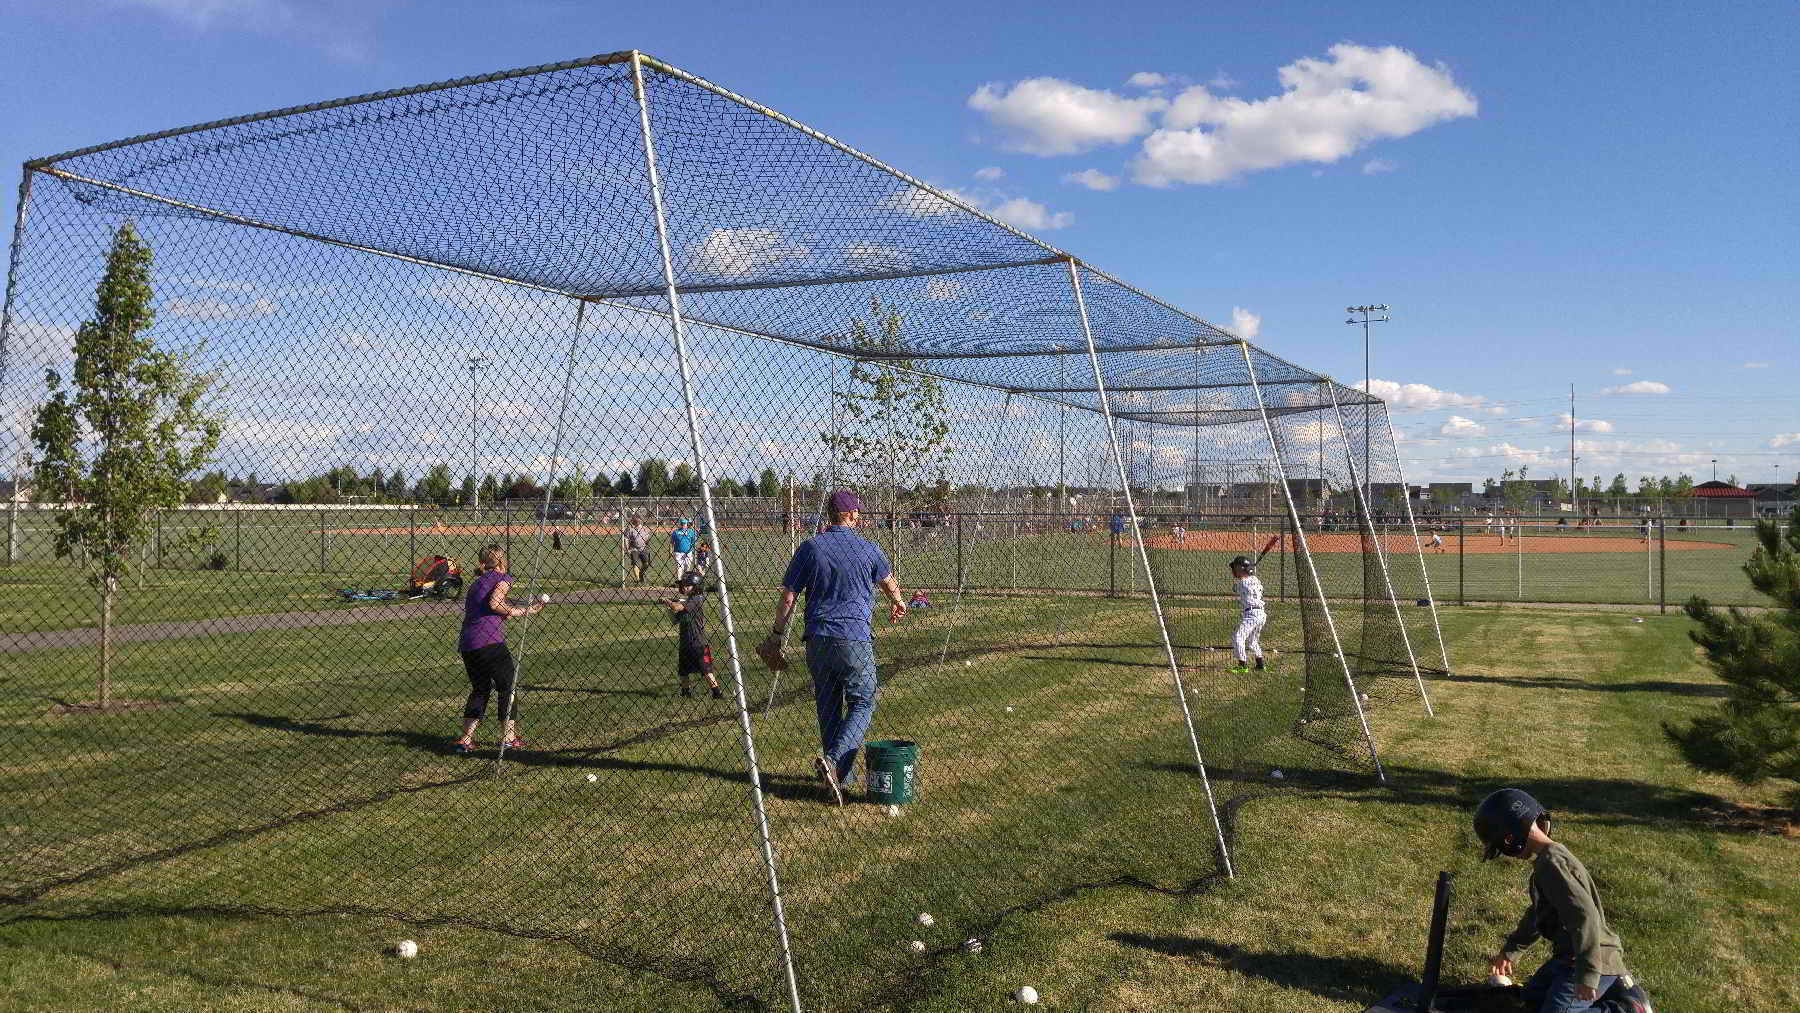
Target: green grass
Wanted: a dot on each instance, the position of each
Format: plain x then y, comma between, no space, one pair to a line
642,890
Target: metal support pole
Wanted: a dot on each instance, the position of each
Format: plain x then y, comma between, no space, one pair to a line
506,515
322,540
1662,565
962,573
1374,536
1301,549
1162,623
14,258
1462,558
1419,548
693,423
237,523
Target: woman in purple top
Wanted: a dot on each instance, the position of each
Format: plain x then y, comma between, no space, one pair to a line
483,647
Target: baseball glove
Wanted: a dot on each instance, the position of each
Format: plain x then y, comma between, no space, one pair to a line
770,652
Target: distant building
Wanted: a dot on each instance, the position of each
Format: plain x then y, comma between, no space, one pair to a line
15,492
1775,498
1722,499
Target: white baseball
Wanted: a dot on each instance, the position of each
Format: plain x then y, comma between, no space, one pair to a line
1498,979
543,599
1027,995
968,664
926,919
916,946
593,777
406,949
1009,710
894,810
1277,775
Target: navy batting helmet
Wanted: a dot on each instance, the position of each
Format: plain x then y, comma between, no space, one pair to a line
1504,819
1244,561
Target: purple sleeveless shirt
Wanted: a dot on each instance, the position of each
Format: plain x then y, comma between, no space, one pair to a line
482,626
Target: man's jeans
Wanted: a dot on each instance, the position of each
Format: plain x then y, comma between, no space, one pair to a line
1553,988
843,678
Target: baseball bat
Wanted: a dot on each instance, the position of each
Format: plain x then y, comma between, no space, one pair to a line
1273,539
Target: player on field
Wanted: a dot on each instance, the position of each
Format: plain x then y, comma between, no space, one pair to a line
1253,616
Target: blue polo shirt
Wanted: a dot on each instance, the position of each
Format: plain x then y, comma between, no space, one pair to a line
682,539
836,570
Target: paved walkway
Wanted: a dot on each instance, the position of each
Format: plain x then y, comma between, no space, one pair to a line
374,612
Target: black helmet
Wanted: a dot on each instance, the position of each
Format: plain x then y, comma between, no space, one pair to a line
1504,819
1244,561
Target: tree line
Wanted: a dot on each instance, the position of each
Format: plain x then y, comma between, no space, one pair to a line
345,484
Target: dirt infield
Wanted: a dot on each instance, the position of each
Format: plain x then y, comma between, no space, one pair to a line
1474,545
1249,542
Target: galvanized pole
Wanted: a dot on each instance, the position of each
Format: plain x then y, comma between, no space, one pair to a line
693,424
1144,554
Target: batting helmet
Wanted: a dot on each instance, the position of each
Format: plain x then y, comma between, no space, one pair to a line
1504,819
1244,561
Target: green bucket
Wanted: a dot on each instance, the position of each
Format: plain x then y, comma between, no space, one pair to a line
891,766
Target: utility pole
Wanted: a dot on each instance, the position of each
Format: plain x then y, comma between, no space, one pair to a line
1574,499
477,362
1365,321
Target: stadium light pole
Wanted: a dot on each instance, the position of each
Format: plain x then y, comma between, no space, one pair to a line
1365,321
477,363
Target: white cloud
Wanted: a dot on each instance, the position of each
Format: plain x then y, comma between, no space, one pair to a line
1328,109
925,204
1147,79
1048,116
1780,440
990,173
1638,387
739,253
1459,426
1093,179
1586,425
1244,323
1376,166
1029,214
208,308
357,339
944,289
1419,397
1521,455
1222,82
1621,371
206,13
876,257
1754,365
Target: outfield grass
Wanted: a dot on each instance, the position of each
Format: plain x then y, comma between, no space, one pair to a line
541,890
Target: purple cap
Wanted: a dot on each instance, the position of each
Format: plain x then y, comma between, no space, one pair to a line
843,501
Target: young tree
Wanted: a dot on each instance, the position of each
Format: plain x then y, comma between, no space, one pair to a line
768,483
601,486
466,492
684,482
1754,734
119,443
208,488
893,432
624,486
434,485
653,477
1618,486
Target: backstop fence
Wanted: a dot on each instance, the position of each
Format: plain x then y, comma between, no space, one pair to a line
569,270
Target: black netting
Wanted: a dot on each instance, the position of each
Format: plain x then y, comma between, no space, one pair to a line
437,321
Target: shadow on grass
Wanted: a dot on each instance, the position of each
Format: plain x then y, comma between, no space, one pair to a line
399,736
1602,800
1645,686
1336,978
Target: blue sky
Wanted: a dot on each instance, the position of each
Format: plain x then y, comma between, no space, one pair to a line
1601,196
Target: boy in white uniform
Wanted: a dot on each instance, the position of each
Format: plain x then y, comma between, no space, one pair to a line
1247,641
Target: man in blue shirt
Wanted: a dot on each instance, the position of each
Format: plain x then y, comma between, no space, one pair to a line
836,570
681,543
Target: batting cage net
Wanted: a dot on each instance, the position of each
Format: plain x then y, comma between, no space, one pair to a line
283,394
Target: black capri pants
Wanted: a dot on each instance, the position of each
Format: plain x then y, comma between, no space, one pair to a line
490,669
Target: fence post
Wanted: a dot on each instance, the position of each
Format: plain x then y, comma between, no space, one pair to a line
1281,555
12,527
1462,555
412,537
159,538
961,572
506,514
1662,565
237,538
322,540
1112,562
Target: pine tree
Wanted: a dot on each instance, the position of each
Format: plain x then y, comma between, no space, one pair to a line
1755,732
893,428
141,412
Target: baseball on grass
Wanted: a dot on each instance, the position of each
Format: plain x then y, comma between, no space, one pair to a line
1009,710
543,599
968,664
406,949
971,945
917,946
1027,995
1277,775
925,918
1498,979
593,777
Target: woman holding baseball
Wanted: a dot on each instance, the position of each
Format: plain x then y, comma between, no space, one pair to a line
483,647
